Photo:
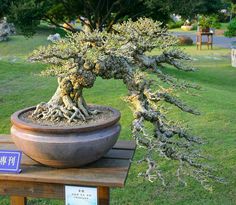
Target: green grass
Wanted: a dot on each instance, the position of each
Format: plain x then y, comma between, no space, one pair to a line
20,87
18,46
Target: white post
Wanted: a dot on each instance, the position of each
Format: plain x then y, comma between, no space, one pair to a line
233,56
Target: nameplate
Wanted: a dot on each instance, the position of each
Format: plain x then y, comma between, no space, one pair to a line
75,195
10,161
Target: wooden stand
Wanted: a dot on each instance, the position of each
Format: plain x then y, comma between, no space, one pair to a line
209,41
44,182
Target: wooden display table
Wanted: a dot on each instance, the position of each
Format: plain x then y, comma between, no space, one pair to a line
209,41
39,181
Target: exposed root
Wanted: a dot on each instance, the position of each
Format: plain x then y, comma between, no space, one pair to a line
56,113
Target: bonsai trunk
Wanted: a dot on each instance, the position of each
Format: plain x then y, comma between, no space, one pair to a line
67,102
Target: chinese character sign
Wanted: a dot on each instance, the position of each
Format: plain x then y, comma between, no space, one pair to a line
10,161
81,195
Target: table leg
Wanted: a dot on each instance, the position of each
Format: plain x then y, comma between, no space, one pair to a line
18,200
197,41
208,41
211,42
103,195
200,42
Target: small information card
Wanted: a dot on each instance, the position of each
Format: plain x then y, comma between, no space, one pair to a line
10,161
76,195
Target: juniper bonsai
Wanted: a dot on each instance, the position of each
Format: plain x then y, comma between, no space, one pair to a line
80,58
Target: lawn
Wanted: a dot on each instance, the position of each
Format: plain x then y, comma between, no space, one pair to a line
21,87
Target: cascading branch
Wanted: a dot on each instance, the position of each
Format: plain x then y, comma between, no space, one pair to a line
80,58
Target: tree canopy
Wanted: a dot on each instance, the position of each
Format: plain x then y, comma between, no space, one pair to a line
98,14
4,7
26,14
190,8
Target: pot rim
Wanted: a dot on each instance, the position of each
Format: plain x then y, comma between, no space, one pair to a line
17,122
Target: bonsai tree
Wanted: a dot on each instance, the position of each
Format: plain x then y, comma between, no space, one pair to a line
80,58
207,22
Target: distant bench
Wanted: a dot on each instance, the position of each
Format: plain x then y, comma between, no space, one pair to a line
39,181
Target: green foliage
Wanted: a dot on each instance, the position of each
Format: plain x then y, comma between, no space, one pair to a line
195,26
189,9
26,15
204,22
231,29
209,22
129,39
4,7
101,14
215,23
173,24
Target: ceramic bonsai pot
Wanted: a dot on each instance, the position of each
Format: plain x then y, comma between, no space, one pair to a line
64,147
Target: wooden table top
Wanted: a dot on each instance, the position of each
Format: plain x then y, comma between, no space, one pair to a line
109,171
204,33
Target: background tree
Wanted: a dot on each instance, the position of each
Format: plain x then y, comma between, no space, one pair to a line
231,5
4,7
98,14
189,9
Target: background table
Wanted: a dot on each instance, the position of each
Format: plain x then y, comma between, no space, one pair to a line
39,181
209,41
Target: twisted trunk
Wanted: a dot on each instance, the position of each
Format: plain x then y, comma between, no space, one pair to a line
67,102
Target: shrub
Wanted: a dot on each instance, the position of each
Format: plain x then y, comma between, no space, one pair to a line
177,24
231,29
215,22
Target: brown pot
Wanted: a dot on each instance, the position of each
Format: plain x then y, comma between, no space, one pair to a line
65,146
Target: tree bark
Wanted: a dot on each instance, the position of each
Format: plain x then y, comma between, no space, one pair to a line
67,102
